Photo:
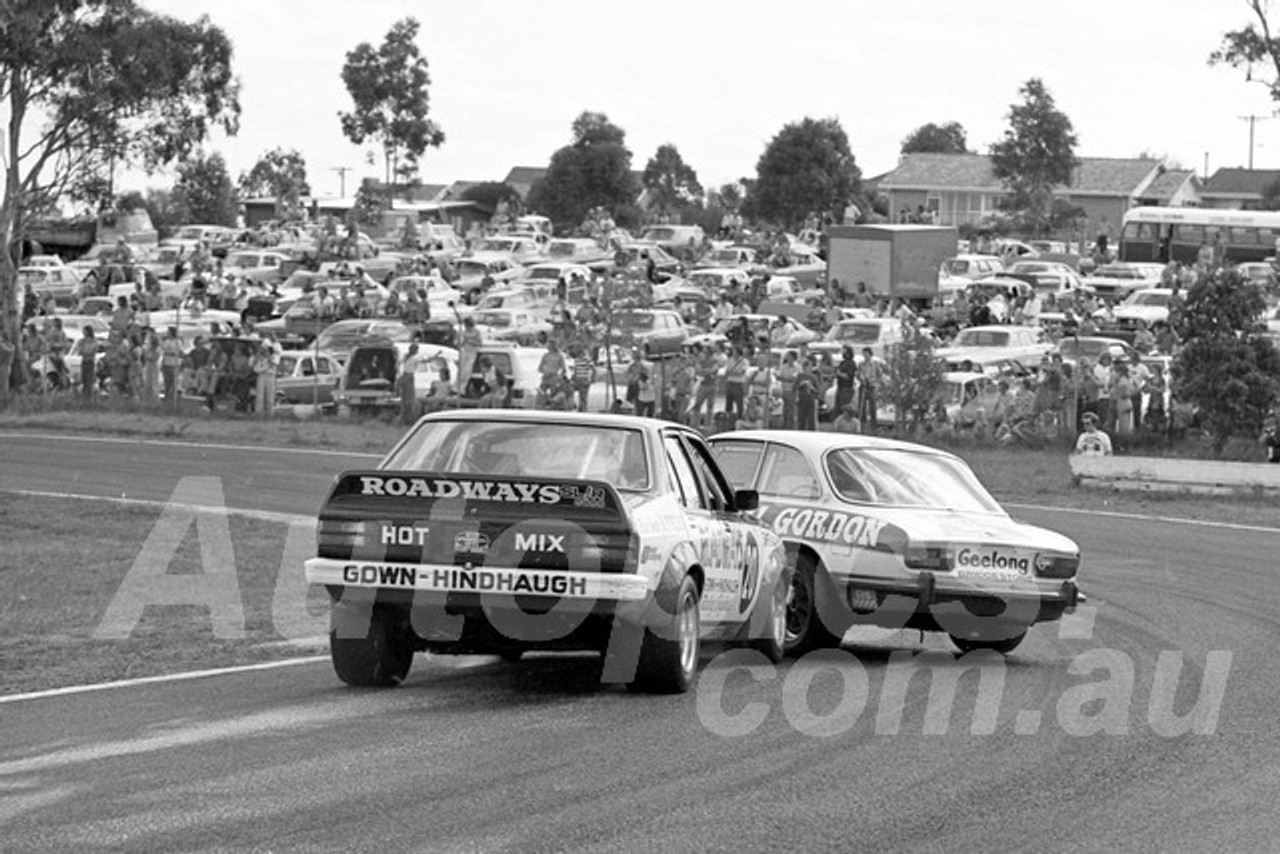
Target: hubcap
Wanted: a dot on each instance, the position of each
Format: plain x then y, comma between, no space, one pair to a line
688,627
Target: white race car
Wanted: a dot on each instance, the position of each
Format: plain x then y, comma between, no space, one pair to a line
500,531
898,535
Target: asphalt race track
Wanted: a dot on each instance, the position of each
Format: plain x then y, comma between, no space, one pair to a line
1071,745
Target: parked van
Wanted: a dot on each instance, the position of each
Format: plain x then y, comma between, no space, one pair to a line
676,239
518,364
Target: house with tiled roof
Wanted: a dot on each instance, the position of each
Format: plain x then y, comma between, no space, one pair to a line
963,188
1174,188
1238,188
522,178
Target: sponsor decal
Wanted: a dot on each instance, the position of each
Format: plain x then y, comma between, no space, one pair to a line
464,580
540,543
471,490
583,496
995,559
404,535
470,542
826,526
386,575
485,580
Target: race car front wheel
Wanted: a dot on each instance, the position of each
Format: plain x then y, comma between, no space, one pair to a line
1004,646
669,658
378,659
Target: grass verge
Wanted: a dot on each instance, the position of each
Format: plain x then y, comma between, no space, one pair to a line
66,560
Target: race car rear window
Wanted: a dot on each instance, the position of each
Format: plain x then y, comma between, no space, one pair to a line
579,452
906,479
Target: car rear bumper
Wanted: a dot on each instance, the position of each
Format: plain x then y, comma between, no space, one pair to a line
443,578
1052,596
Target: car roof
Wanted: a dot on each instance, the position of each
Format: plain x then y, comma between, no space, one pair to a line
821,442
550,417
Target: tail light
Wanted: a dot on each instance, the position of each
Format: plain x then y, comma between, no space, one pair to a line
333,535
927,557
1057,566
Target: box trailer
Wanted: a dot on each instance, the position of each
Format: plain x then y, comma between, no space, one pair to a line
893,260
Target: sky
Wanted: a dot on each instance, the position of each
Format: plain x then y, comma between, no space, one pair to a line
719,79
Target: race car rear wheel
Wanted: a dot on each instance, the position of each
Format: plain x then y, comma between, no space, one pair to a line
1004,646
669,659
805,630
380,659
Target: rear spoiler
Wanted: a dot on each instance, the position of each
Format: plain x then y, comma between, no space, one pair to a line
499,494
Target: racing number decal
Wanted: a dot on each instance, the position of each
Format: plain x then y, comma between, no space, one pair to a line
750,575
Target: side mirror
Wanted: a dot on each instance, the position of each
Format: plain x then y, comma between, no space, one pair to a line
746,500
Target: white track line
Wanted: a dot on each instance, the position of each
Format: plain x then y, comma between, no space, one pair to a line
153,680
266,515
1171,520
116,440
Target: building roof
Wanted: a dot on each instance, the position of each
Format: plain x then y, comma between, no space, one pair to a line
1094,176
942,171
1240,182
1167,184
525,175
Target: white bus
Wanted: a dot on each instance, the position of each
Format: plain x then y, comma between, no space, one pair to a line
1161,234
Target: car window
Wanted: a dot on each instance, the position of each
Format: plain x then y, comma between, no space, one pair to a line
682,473
739,461
718,492
787,473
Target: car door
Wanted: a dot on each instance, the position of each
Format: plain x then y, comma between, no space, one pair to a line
731,554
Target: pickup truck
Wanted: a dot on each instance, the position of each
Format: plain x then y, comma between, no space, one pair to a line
503,531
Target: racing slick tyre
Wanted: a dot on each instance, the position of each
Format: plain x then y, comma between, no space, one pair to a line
668,663
1004,646
380,659
805,630
774,643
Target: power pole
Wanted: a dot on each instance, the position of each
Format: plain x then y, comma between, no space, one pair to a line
343,170
1252,120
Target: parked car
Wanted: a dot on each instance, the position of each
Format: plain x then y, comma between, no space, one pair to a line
262,266
471,271
680,241
973,267
1025,344
304,378
657,332
1114,282
1090,347
61,283
779,330
882,334
1149,306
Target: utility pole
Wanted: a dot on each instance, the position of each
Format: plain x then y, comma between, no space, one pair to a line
343,170
1252,120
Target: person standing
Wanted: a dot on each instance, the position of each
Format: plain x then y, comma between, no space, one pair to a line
151,354
807,392
170,365
265,361
88,364
869,374
846,379
788,372
584,374
735,384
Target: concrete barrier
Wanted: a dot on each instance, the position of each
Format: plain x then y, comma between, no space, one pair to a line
1166,474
